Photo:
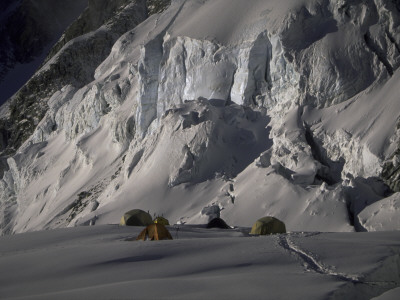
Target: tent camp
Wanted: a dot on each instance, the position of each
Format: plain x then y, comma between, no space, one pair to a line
217,223
268,225
161,220
154,232
136,217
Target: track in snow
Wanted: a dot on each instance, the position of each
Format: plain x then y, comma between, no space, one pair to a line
311,263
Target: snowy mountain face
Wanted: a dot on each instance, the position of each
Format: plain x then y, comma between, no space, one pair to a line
83,46
281,108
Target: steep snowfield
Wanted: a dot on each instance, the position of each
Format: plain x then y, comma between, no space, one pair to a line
381,215
283,108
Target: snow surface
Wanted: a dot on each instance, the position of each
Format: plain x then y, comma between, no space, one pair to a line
278,108
103,262
382,215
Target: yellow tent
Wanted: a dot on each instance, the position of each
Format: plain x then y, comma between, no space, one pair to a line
161,220
136,217
268,225
154,232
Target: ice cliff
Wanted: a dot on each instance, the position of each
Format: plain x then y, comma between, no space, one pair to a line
283,108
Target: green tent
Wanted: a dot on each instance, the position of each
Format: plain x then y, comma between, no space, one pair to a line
268,225
136,217
161,220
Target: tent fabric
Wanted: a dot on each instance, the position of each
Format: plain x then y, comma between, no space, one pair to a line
268,225
154,232
136,217
161,220
217,223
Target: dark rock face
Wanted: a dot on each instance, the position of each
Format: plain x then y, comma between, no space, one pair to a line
157,6
391,172
83,44
27,31
5,4
98,13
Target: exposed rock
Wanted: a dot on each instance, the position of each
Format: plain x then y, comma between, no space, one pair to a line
211,212
28,29
74,64
157,6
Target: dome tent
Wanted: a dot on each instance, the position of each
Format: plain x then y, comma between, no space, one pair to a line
154,232
268,225
161,220
217,223
136,217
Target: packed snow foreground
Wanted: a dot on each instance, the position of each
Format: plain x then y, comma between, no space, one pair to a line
97,262
282,108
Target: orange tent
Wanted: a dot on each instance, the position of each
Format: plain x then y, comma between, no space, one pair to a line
154,232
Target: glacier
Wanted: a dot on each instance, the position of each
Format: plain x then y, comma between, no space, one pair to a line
284,108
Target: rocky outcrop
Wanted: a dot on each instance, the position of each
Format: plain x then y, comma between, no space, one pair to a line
391,171
97,14
157,6
74,64
28,30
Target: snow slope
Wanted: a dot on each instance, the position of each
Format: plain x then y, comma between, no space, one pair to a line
283,108
98,262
